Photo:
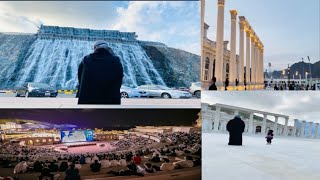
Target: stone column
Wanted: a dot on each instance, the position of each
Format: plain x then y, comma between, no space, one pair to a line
286,127
253,60
295,128
217,118
316,132
262,66
302,128
255,66
248,65
275,125
264,124
259,65
233,46
219,43
310,129
202,38
250,128
241,54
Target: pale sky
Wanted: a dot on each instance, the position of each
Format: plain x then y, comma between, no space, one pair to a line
302,105
289,29
175,23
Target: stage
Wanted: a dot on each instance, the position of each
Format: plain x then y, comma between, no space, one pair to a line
84,147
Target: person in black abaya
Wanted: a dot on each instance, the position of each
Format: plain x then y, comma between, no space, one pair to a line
235,127
100,76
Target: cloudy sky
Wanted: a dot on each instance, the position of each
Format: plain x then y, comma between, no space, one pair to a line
175,23
303,105
289,29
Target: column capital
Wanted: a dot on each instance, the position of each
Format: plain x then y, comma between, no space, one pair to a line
234,14
221,3
248,33
253,39
241,25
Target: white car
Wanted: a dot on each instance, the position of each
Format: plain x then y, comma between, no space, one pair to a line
164,92
195,89
127,92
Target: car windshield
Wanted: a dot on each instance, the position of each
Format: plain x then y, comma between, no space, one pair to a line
39,85
125,87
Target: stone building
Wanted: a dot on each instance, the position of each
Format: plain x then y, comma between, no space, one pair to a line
215,118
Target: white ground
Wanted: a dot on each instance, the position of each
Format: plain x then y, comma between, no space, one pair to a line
285,159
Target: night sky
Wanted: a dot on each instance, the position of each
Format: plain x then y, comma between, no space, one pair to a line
106,118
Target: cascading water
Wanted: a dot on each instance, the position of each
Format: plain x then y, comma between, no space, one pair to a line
55,61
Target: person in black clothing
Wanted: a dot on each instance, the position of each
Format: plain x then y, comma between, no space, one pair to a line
226,84
156,159
131,170
236,128
45,174
100,76
63,166
96,166
53,167
237,82
269,136
213,86
72,173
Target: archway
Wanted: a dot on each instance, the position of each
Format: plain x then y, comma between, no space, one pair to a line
258,129
214,67
30,142
227,70
206,69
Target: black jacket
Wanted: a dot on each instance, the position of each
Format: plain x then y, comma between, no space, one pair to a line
236,128
100,77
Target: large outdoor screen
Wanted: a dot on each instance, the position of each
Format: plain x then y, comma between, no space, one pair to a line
77,136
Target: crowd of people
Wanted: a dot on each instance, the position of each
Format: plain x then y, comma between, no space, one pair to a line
292,86
133,155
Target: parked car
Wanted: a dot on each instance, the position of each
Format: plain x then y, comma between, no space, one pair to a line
127,92
163,92
32,89
195,89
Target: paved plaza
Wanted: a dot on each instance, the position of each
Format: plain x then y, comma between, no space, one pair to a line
287,158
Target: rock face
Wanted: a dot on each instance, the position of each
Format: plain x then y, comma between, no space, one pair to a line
177,67
53,54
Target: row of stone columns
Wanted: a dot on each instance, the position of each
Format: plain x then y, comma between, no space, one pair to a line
302,132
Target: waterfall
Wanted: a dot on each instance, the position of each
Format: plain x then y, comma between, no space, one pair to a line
55,62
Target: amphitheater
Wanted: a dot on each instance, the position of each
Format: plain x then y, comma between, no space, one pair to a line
144,142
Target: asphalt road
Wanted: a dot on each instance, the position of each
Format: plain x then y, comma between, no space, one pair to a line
8,100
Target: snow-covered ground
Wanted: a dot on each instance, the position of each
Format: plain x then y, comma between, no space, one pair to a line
286,158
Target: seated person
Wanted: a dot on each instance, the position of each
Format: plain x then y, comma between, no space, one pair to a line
53,167
131,170
45,174
137,159
72,173
167,165
21,167
63,166
96,166
77,165
114,163
155,159
149,168
123,162
186,163
105,163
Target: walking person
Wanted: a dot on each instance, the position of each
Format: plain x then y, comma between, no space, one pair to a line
226,84
100,76
236,128
213,86
269,137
